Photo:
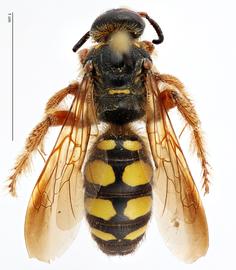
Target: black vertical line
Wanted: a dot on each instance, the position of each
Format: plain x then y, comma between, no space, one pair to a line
12,75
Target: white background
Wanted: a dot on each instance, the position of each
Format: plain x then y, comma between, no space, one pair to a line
199,48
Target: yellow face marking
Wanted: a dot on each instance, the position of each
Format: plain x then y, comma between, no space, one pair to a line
100,173
132,145
106,145
100,208
103,235
122,91
137,173
135,234
138,207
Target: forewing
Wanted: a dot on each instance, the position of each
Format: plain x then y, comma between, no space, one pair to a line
56,204
181,217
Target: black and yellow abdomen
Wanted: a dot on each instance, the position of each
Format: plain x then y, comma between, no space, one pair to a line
118,192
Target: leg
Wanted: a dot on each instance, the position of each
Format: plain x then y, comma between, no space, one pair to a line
35,139
56,99
176,96
33,143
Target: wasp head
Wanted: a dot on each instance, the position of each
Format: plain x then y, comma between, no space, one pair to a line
117,20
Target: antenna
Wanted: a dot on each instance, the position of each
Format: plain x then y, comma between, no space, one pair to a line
155,26
84,38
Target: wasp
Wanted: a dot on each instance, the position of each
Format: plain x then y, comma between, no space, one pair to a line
116,177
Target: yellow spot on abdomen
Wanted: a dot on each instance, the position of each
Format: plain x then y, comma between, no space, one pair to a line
137,173
106,145
103,235
135,234
100,208
138,207
132,145
100,173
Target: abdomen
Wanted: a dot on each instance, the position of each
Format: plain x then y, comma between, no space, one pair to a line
118,193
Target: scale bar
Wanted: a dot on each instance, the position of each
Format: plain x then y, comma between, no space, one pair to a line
12,76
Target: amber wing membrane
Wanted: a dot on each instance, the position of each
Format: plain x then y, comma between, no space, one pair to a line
56,204
180,214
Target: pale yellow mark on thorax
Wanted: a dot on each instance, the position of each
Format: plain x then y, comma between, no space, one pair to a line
100,208
106,145
119,91
132,145
100,173
135,234
103,235
137,173
138,207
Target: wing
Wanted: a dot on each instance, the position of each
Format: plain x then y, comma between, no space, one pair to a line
181,217
56,204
